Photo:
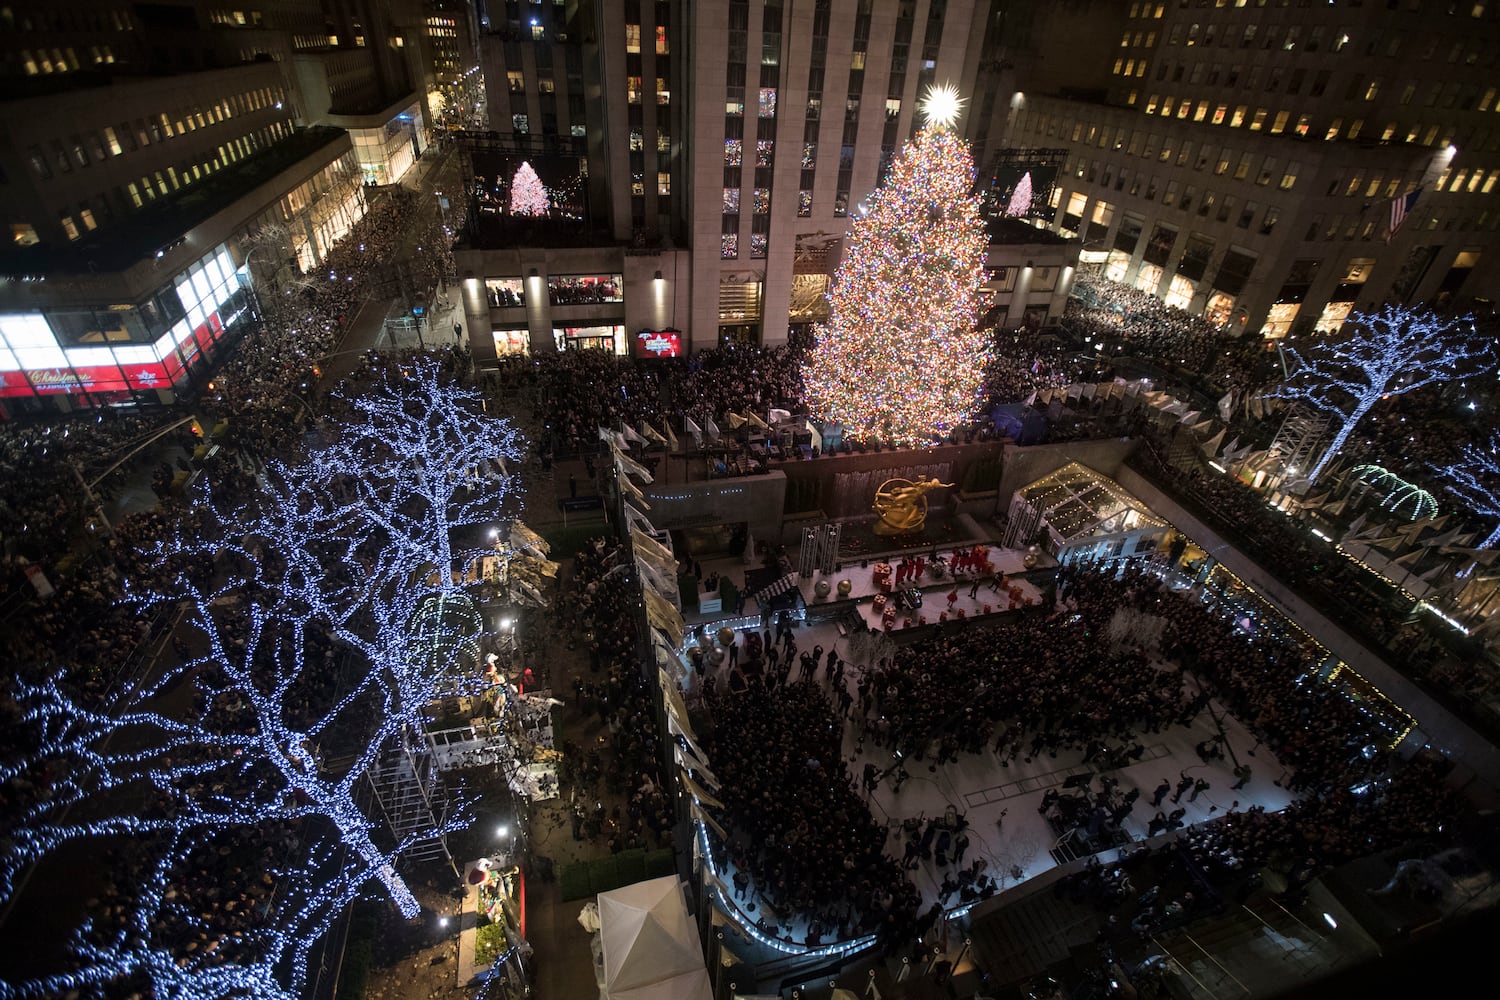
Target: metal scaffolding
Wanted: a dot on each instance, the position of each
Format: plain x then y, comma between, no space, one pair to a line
411,796
1300,442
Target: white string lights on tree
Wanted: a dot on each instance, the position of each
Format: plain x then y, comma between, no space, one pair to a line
900,359
1475,479
1389,352
331,556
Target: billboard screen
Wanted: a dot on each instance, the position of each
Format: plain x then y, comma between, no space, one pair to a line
656,344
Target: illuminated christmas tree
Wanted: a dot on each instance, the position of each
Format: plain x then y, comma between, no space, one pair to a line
1020,198
1389,352
528,196
899,359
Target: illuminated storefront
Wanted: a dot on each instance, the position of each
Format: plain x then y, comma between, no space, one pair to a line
386,150
601,338
511,340
120,353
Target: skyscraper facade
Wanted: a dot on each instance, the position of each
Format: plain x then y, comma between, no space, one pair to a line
1271,165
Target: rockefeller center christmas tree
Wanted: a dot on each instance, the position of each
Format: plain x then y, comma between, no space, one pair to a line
899,359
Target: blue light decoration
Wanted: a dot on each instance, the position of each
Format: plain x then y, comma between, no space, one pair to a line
338,552
1389,352
1475,480
267,961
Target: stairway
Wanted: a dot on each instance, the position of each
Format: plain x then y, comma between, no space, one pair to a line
765,595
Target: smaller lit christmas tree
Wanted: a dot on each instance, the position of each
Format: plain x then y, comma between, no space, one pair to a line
528,195
1020,198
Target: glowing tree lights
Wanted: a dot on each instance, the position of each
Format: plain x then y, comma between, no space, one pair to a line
899,359
1387,353
528,196
1475,480
259,730
1020,199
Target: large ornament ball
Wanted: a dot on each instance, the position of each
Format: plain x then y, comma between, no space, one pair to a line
726,636
845,587
822,588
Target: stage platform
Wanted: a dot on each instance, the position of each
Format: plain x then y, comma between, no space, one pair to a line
861,576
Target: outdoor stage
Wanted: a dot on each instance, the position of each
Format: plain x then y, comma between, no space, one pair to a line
863,590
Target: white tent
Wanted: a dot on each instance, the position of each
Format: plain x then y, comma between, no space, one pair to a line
649,945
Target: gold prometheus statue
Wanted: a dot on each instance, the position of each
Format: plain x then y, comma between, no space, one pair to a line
902,505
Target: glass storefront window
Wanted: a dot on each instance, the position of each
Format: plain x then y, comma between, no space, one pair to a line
584,289
609,338
505,293
511,341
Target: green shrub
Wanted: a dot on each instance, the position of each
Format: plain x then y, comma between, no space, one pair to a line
489,944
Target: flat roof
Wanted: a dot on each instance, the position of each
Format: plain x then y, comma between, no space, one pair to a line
122,245
1008,231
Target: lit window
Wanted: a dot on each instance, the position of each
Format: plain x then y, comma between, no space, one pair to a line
663,95
765,152
633,38
758,245
761,204
662,48
69,226
804,203
23,234
729,246
732,152
731,201
768,102
663,182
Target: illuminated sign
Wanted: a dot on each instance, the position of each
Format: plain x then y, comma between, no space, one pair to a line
657,344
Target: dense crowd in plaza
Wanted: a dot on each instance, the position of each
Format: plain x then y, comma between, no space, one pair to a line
1125,320
1308,564
598,611
804,836
577,392
803,839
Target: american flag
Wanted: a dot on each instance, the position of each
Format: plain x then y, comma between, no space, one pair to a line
1400,205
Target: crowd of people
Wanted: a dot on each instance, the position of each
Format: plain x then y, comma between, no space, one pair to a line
1125,320
582,291
1051,683
577,392
1308,564
598,608
801,833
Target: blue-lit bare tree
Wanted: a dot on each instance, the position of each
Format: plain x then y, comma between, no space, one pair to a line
1389,352
141,951
333,557
1475,479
